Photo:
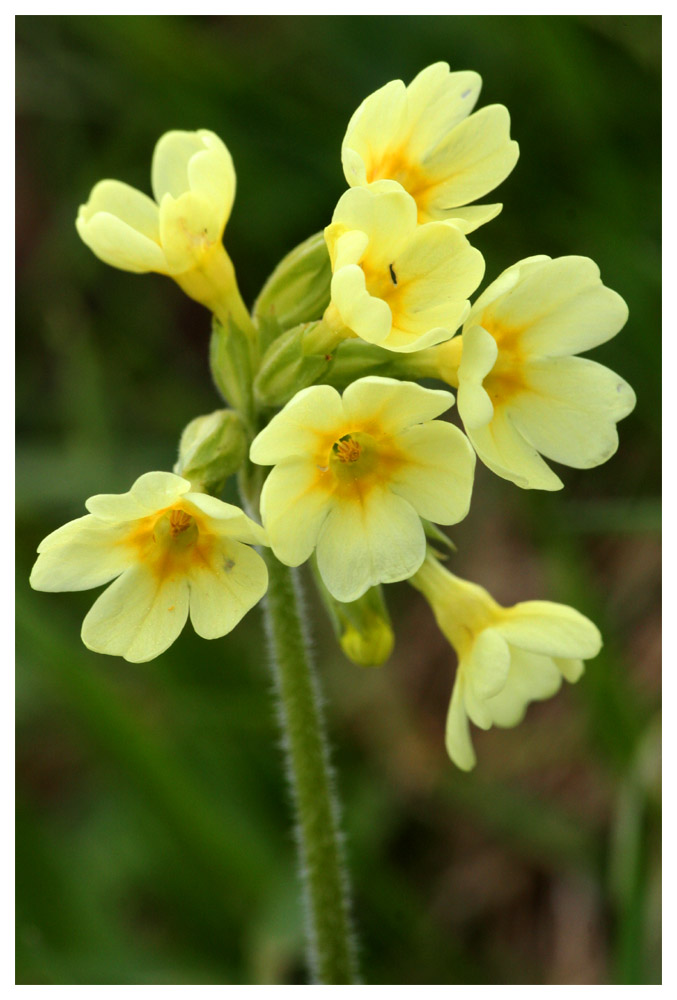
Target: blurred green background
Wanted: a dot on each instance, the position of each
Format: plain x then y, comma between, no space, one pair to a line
153,836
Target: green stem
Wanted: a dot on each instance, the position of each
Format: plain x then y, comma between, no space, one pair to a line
331,947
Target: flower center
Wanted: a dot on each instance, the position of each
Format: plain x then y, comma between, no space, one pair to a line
353,457
347,449
175,529
178,522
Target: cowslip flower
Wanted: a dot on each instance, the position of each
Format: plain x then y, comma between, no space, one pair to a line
395,283
174,552
507,657
354,475
425,137
521,391
180,233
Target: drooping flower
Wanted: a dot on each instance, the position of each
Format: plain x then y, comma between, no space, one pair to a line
180,233
521,390
174,552
397,284
354,475
507,657
425,137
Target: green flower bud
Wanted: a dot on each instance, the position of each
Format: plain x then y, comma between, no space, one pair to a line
297,359
357,359
232,365
297,291
371,646
362,627
211,449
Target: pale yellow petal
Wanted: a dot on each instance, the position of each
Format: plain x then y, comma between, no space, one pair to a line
368,317
530,678
503,450
551,629
293,432
436,273
562,308
570,410
118,244
590,318
189,228
437,478
486,666
401,340
345,246
571,669
212,175
505,282
478,356
127,204
169,170
467,218
373,128
138,616
391,404
476,708
458,741
294,506
475,158
224,589
437,101
156,490
474,405
81,554
362,544
116,508
225,519
385,212
151,492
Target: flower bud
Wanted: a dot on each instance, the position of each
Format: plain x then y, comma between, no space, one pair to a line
371,646
297,291
231,364
212,448
362,627
293,361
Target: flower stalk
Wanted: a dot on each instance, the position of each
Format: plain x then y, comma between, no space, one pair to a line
330,942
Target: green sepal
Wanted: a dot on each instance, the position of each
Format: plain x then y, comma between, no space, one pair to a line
437,536
298,290
232,366
292,362
212,448
362,627
355,359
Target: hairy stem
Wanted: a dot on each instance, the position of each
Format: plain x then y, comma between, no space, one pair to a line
331,947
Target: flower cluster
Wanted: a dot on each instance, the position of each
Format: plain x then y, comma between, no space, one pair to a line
359,478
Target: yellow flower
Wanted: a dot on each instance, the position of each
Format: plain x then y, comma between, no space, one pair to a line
173,551
424,137
507,657
178,234
520,389
397,284
354,476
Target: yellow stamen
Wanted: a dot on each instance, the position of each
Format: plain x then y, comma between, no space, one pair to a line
347,449
178,522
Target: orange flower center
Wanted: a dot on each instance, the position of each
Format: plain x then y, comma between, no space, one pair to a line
347,449
506,379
